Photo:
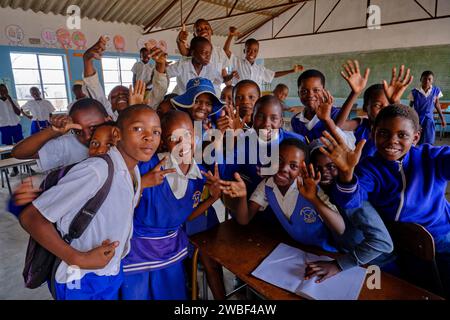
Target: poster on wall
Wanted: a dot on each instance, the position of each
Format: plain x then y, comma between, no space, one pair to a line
152,43
64,38
79,40
48,37
14,34
119,43
109,43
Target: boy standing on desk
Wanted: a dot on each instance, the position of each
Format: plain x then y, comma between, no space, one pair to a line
143,70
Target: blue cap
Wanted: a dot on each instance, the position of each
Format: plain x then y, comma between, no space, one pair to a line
194,88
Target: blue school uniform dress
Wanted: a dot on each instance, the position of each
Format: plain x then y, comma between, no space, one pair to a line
311,129
10,128
113,221
363,131
424,103
297,215
416,187
154,269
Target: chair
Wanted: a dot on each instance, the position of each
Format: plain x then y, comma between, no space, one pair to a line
414,246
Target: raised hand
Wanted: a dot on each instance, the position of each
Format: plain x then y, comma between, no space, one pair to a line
234,189
156,176
225,120
323,111
96,51
99,257
157,55
26,193
307,183
63,124
338,151
229,77
233,32
213,182
353,76
136,94
298,68
398,84
183,35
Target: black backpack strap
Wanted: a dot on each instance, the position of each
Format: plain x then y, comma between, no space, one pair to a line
89,210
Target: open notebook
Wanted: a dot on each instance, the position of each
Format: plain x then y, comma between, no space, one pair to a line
285,268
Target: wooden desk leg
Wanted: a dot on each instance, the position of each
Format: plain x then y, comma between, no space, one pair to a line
194,274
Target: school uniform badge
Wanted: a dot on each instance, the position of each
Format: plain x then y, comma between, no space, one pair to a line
309,215
196,198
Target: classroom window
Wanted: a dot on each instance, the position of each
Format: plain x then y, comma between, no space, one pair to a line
45,71
117,71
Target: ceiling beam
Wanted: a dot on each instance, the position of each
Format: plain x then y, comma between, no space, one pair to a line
158,18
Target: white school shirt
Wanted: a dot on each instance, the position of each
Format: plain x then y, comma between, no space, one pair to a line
426,94
248,71
39,109
219,58
113,221
178,182
60,152
288,201
184,71
7,115
143,71
348,136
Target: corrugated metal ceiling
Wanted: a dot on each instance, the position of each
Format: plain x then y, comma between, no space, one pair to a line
145,13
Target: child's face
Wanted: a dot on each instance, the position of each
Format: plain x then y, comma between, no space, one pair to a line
119,98
144,56
88,119
426,81
103,139
309,93
227,95
35,93
246,97
281,94
78,92
178,138
268,118
203,29
377,102
327,168
202,107
394,137
202,54
289,168
140,136
3,91
251,52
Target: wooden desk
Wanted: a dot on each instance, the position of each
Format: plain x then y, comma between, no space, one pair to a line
6,149
241,249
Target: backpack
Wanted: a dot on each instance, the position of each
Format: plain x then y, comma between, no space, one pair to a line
41,264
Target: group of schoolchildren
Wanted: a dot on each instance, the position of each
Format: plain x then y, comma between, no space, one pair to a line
336,184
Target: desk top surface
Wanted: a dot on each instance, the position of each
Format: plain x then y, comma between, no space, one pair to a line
15,162
241,249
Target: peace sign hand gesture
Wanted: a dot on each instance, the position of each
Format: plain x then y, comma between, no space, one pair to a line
156,176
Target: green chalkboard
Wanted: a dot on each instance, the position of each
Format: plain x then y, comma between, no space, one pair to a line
419,59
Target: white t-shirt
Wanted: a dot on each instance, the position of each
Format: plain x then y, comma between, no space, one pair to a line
288,201
7,115
39,109
143,71
60,152
113,221
248,71
184,71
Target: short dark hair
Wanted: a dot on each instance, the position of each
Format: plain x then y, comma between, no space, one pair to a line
269,99
251,41
398,111
298,144
3,85
242,83
198,21
426,74
281,86
172,116
197,41
370,92
77,86
311,73
128,112
142,50
88,104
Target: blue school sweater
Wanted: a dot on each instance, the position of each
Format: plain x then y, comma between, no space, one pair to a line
425,105
410,190
363,131
315,132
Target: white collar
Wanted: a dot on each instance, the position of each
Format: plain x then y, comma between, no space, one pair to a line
193,173
309,123
271,184
425,93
